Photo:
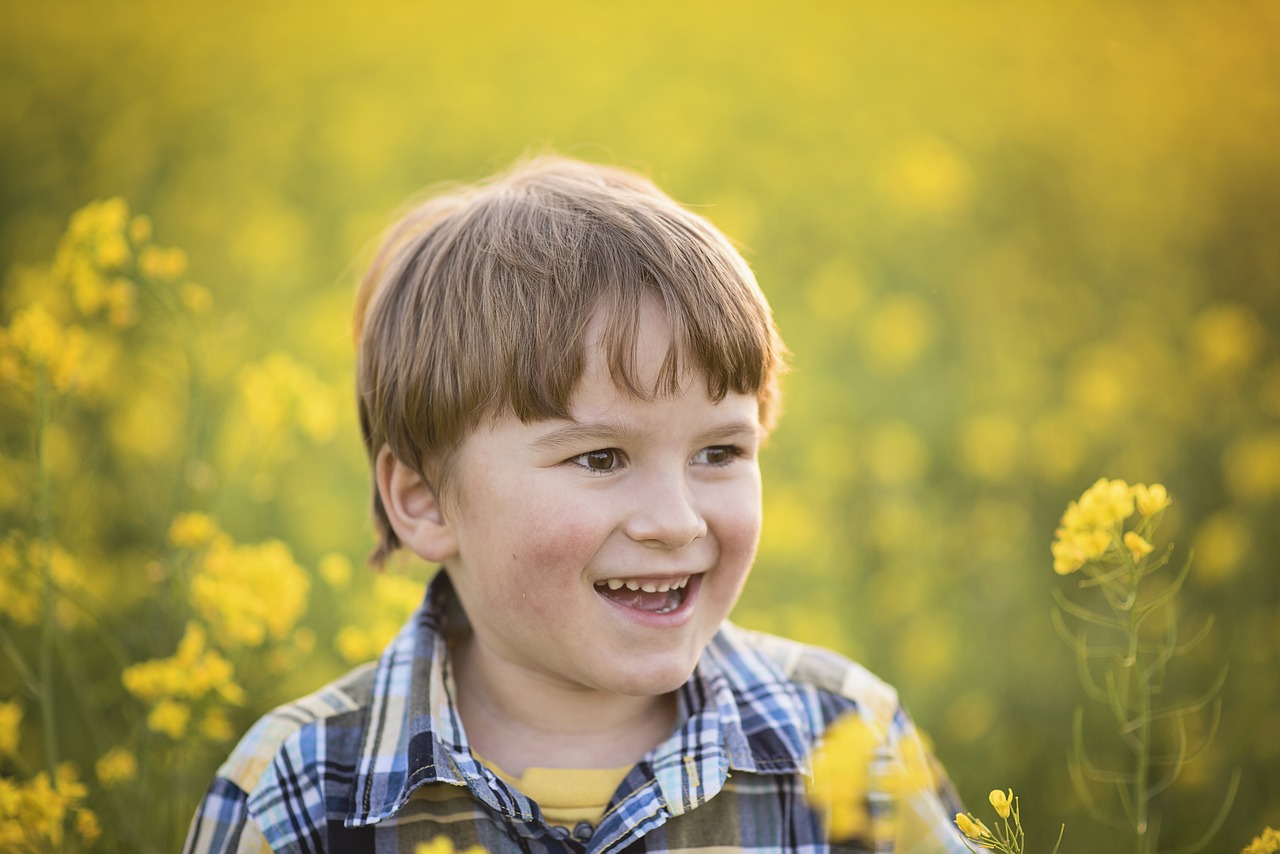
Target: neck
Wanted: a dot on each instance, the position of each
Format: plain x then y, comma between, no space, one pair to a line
520,719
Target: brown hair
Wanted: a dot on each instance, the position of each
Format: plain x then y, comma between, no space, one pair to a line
478,302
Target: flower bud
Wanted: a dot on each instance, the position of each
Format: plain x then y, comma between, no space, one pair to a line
1138,547
1151,499
971,827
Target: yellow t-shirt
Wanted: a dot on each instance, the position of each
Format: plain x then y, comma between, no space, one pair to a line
566,795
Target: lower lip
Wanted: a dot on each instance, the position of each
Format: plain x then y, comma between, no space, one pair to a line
652,619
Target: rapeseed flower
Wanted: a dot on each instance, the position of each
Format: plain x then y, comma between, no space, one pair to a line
118,765
33,814
215,726
164,265
193,673
249,593
169,717
1267,842
841,776
1093,525
37,342
192,531
1002,801
1137,546
1151,499
87,826
972,827
335,569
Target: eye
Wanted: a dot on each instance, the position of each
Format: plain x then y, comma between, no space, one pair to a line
717,455
601,461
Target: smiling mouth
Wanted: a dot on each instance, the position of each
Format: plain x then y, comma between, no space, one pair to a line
654,596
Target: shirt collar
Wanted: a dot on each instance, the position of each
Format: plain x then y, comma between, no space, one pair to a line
738,711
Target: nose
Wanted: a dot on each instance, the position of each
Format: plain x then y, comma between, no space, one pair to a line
665,515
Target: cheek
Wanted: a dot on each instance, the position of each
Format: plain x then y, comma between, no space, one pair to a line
741,521
544,552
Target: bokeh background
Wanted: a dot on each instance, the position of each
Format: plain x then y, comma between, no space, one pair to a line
1013,247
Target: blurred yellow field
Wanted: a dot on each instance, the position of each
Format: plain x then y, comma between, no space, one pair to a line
1013,248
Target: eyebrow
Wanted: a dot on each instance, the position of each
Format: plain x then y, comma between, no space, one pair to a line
577,433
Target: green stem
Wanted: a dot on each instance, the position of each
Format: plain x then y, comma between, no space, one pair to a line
1142,747
44,521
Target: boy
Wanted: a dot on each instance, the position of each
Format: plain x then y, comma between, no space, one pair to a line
564,379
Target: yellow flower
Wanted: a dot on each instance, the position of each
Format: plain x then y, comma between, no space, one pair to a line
353,644
1003,802
335,569
1090,524
41,341
192,673
1151,499
1138,547
36,334
116,766
192,531
972,827
170,718
87,826
841,776
10,721
162,264
10,797
42,809
12,836
121,308
216,727
1268,842
111,251
68,782
249,593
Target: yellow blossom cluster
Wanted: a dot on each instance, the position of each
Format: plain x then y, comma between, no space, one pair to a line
34,814
194,675
1093,526
278,392
22,565
378,617
1008,837
249,593
193,531
92,280
973,828
115,767
1267,842
35,343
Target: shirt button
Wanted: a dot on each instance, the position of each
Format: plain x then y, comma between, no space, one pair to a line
582,831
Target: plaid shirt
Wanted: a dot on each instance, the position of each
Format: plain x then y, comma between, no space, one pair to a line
378,761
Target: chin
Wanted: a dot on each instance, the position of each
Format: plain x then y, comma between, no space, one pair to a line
653,681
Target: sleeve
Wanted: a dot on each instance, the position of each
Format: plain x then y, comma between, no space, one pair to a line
222,824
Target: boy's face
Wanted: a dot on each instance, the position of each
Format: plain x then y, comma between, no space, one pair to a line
555,522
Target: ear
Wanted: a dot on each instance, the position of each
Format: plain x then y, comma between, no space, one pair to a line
413,509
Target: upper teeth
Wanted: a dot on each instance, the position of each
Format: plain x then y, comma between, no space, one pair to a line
647,586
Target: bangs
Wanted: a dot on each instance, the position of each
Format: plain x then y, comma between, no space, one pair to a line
718,332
